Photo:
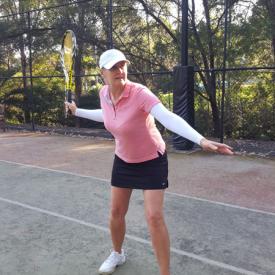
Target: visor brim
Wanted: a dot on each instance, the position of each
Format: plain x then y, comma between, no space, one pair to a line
111,64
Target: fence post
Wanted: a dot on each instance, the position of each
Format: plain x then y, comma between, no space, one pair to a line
184,32
110,15
224,68
183,96
30,67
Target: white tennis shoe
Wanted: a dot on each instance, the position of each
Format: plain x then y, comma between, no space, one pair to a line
109,265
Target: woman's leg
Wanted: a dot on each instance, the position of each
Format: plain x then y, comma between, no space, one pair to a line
120,198
153,201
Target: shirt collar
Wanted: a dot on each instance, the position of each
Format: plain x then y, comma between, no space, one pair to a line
125,93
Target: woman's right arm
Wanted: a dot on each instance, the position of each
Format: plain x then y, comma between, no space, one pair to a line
96,115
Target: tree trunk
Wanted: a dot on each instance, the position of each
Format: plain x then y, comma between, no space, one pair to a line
213,102
215,117
78,59
24,74
78,72
27,117
78,79
270,6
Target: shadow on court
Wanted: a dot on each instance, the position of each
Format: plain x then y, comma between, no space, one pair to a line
54,200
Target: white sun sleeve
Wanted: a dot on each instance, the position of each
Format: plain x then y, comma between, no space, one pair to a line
96,115
175,123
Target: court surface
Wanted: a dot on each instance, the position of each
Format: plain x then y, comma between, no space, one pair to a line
54,200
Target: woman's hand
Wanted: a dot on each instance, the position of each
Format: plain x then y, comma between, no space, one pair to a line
71,106
212,146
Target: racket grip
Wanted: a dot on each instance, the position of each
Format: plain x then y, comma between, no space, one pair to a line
69,99
69,96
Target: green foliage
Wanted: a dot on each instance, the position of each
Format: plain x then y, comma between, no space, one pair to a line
203,117
252,111
149,34
46,106
167,100
249,108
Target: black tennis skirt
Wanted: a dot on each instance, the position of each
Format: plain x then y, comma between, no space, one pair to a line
147,175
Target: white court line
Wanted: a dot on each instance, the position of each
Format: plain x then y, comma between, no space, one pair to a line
53,170
133,238
167,192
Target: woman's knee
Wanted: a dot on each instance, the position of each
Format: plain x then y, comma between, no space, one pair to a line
155,219
119,202
118,212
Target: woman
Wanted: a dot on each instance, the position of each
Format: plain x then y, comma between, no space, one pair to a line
128,110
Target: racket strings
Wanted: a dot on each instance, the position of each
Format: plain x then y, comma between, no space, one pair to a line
68,52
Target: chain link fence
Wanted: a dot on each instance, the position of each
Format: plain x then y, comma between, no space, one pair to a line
32,84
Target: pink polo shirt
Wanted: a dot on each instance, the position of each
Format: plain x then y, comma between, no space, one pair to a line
129,121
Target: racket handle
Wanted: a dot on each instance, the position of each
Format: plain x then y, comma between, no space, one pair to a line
69,96
68,99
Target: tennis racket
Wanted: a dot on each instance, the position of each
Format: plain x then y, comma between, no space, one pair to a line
67,54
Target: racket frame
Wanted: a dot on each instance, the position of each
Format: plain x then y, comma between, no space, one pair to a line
70,37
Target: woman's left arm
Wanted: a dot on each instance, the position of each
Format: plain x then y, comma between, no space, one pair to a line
179,126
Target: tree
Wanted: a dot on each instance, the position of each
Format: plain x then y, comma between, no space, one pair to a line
18,39
148,31
270,8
